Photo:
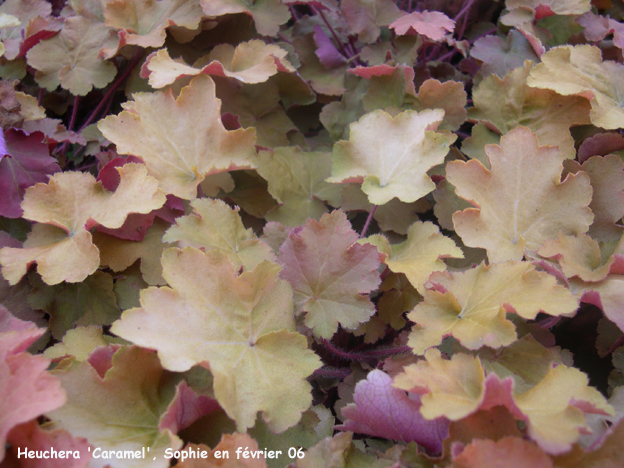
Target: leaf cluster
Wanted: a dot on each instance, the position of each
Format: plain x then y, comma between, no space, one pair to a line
384,233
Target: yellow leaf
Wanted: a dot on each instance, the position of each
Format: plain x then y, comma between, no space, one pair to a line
181,140
556,407
578,256
267,14
508,102
472,305
452,388
391,155
214,225
67,207
422,253
118,254
520,203
250,62
242,327
143,22
580,70
72,57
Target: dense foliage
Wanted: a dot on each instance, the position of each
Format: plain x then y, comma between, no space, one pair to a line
359,232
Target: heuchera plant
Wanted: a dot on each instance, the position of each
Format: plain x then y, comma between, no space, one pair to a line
385,234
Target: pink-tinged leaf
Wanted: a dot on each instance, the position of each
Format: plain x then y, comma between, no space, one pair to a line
598,27
54,130
381,410
27,389
330,273
434,25
600,144
186,408
39,29
326,50
30,436
508,452
608,295
377,70
16,335
24,161
101,358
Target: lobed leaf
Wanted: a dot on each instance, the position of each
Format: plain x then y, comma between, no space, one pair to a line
330,274
119,410
472,305
181,140
503,104
213,225
240,326
250,62
72,58
520,203
297,180
143,22
268,15
422,253
391,155
27,389
66,208
579,70
380,410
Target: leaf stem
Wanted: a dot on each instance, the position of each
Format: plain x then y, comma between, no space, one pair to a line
72,119
283,38
463,11
329,373
333,33
368,221
365,355
619,342
70,127
111,90
293,12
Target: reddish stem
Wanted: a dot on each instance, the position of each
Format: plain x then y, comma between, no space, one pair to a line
619,342
70,127
283,38
293,12
368,221
333,33
464,11
112,89
329,373
365,355
72,119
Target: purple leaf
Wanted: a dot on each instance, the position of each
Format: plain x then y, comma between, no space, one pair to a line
326,51
381,410
24,161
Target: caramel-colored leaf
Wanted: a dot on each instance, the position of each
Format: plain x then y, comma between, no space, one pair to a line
240,326
66,208
181,140
391,155
472,306
520,203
